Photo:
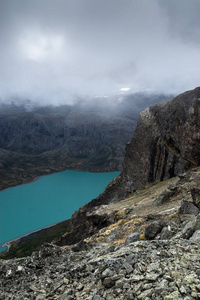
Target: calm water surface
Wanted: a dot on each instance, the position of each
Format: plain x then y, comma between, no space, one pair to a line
48,200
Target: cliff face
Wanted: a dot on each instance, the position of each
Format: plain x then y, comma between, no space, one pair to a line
166,143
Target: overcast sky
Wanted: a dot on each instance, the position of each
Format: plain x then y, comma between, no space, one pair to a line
54,50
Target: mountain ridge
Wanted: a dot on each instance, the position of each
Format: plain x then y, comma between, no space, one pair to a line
83,137
140,238
125,184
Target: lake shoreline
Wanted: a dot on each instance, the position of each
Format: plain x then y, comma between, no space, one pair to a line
46,202
20,180
24,237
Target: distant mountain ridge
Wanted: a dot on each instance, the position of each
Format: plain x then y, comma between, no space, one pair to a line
87,136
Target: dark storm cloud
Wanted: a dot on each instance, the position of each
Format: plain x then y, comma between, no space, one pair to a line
52,51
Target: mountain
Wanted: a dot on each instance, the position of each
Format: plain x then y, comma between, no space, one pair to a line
140,238
35,141
166,143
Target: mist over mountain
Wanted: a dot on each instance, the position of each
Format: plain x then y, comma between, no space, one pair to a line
54,52
38,140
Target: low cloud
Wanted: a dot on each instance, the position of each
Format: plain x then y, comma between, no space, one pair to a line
55,51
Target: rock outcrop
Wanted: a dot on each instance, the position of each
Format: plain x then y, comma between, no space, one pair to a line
166,143
158,269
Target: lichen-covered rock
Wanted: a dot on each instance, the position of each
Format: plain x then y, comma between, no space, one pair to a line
133,237
163,270
196,236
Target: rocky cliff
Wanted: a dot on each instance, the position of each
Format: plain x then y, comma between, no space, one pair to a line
166,143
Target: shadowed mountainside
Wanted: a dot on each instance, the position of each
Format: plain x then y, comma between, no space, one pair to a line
35,141
165,144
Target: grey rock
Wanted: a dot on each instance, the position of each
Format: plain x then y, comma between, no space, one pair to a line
165,196
136,278
160,147
120,283
196,236
173,296
196,196
197,223
166,234
153,267
130,296
110,281
153,229
107,273
96,297
152,276
187,230
133,237
184,218
163,269
188,207
145,294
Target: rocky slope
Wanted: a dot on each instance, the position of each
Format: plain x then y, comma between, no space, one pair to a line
155,146
138,240
141,256
166,143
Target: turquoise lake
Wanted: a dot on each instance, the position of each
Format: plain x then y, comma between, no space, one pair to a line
48,200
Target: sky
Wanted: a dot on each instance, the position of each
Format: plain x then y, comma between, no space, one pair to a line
53,51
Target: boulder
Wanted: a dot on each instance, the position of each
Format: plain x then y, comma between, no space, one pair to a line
196,196
188,207
197,223
153,229
133,237
196,236
166,233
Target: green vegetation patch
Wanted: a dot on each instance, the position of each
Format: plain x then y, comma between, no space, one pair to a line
27,245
